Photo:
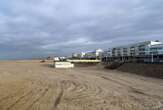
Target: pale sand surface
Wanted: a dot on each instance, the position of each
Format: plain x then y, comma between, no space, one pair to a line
31,85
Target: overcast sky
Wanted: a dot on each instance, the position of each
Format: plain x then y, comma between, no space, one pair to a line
33,28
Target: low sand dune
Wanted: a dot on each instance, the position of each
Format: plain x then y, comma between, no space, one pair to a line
31,85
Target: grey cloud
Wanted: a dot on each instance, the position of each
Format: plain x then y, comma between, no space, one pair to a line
33,28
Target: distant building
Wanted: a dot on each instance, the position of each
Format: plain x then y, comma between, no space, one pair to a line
108,53
138,51
143,48
96,54
156,49
78,55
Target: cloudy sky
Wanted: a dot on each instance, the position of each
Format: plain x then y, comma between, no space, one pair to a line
34,28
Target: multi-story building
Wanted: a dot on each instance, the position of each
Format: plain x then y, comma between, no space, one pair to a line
78,55
96,54
114,53
108,52
125,51
137,51
148,51
156,49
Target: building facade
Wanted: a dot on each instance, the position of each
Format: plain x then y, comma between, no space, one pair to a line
96,54
79,55
142,52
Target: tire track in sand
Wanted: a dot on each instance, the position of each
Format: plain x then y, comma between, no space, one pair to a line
19,99
37,99
58,99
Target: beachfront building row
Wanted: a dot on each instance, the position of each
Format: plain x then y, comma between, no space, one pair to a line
96,54
148,51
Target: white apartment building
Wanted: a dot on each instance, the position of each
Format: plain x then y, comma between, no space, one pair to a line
107,53
94,54
156,49
143,48
78,55
88,55
137,49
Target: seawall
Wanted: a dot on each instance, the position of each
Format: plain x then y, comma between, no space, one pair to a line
151,70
